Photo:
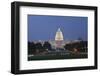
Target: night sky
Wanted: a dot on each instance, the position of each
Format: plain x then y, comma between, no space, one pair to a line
42,27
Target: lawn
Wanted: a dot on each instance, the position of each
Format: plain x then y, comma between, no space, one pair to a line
53,57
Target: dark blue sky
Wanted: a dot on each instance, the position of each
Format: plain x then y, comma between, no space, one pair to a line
42,27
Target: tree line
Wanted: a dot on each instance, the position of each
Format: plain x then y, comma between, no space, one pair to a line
77,46
39,48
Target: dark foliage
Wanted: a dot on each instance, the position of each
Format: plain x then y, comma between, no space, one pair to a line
79,46
38,48
47,45
31,48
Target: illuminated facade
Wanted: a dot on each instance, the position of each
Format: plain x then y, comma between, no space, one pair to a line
59,38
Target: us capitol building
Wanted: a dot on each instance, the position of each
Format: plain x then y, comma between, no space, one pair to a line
59,41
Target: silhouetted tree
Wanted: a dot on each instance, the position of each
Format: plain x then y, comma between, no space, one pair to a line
47,45
68,47
39,47
79,46
31,48
83,46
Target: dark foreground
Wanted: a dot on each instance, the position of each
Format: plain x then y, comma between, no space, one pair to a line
58,56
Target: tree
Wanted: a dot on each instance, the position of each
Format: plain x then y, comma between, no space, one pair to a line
83,46
39,47
47,45
79,46
31,48
68,47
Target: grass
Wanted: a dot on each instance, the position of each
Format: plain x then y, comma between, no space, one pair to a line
54,57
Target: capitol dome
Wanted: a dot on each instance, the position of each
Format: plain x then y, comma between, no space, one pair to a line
59,35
